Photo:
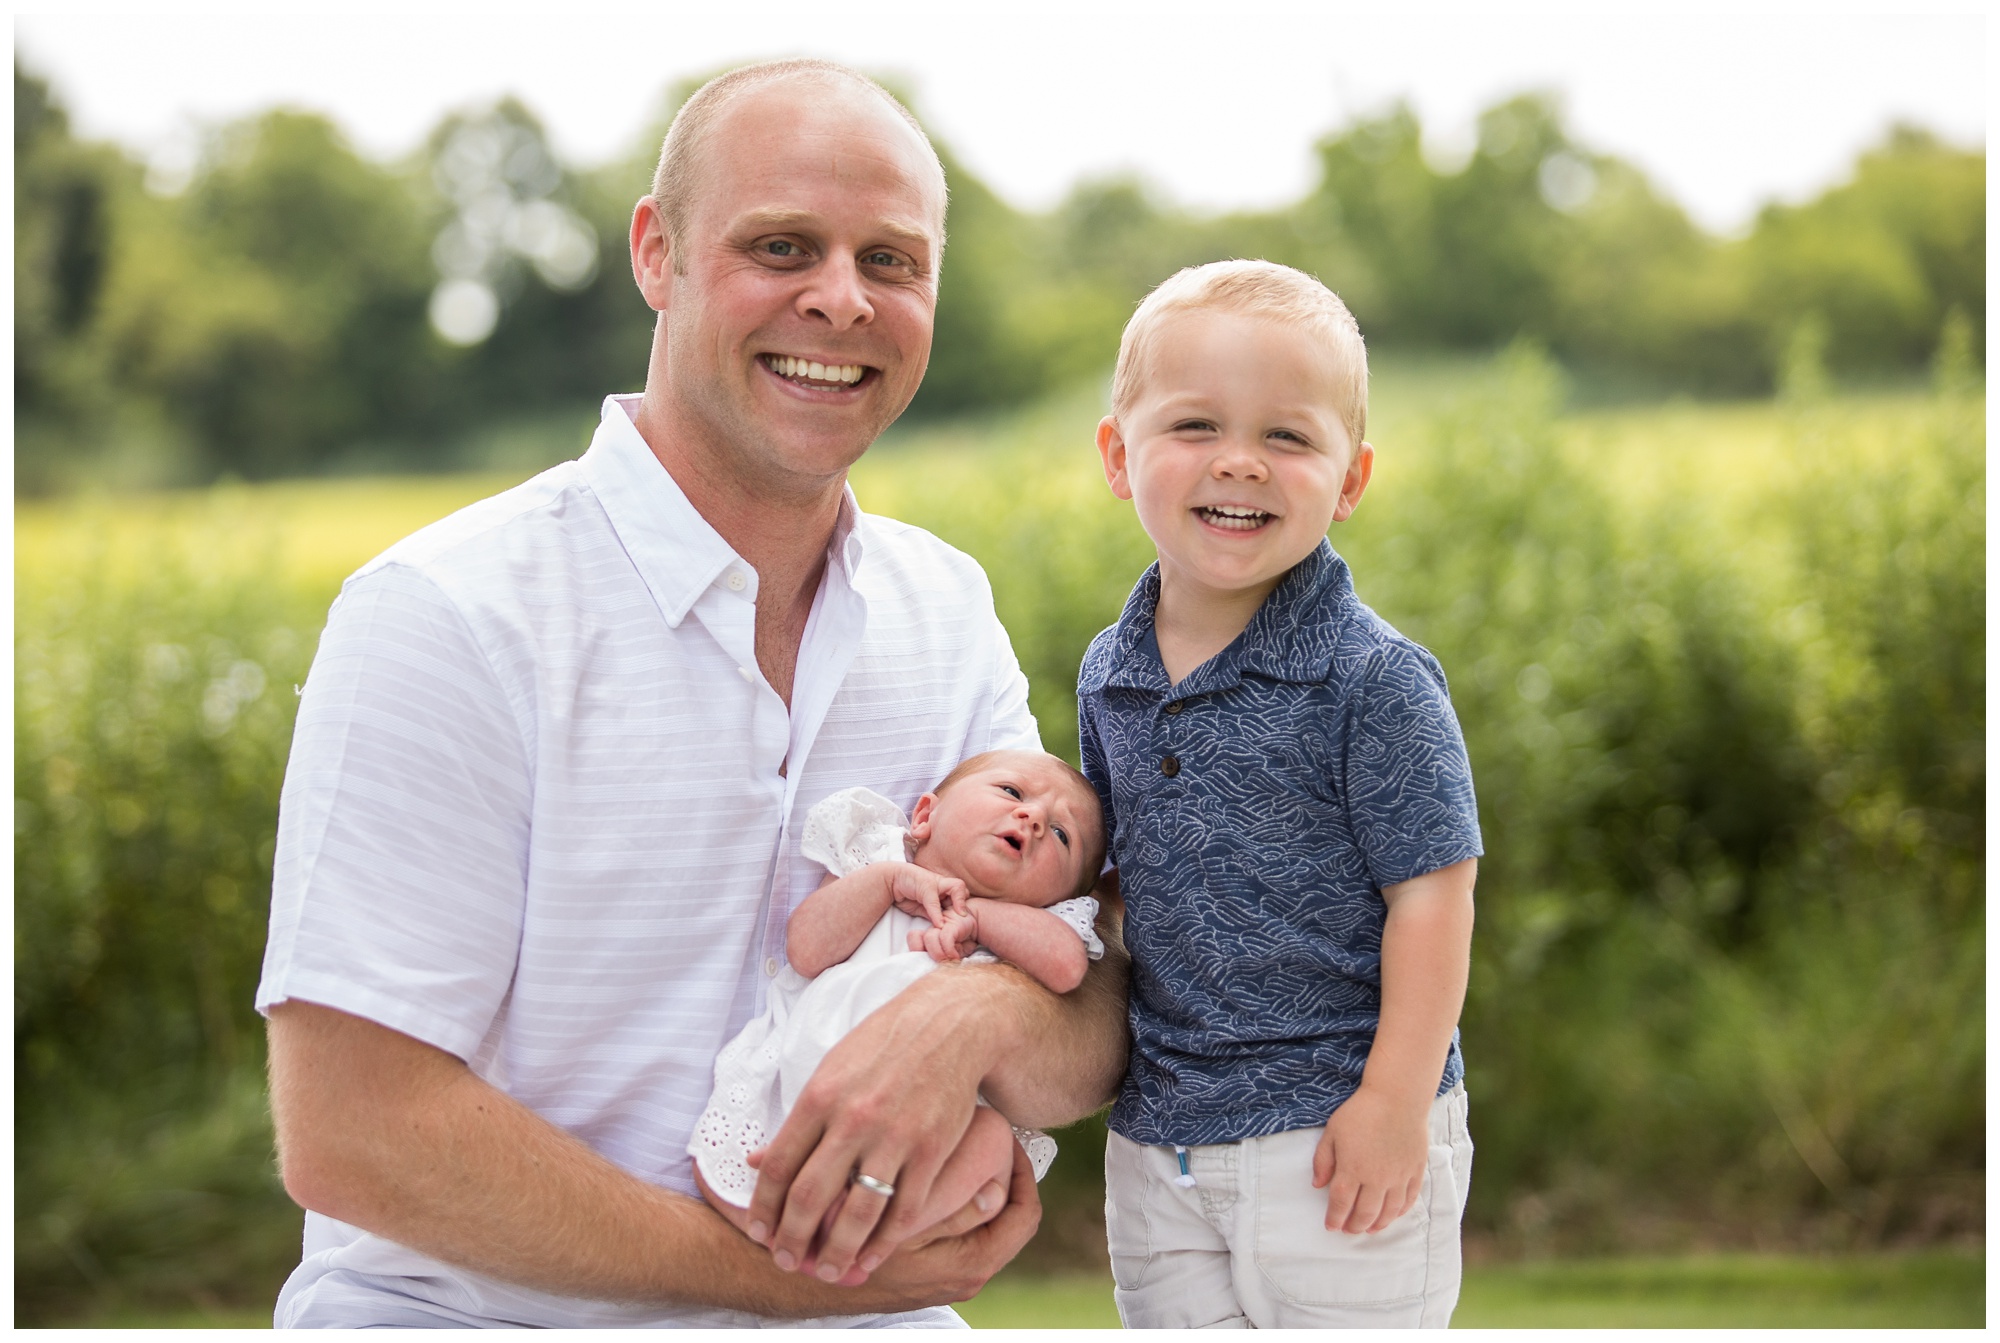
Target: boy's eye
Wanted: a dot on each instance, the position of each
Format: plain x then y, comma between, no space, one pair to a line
1011,791
1061,834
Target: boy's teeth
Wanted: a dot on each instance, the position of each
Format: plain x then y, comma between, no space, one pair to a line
1239,519
786,366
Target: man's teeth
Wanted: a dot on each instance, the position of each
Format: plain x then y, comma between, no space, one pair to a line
1230,518
787,367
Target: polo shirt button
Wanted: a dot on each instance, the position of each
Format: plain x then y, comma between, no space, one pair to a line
1176,706
1170,765
771,967
737,581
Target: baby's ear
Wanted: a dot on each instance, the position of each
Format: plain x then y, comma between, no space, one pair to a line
920,817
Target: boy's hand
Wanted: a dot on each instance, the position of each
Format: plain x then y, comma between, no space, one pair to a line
916,890
953,940
1372,1156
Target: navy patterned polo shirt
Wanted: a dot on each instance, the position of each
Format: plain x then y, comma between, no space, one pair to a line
1255,812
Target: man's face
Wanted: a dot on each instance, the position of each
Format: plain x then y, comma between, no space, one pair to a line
1018,829
1233,452
801,309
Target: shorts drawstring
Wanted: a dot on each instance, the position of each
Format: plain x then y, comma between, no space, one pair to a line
1186,1178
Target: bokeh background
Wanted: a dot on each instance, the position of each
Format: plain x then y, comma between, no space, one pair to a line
1689,503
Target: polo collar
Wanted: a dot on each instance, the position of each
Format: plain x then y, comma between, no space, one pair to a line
1291,638
678,554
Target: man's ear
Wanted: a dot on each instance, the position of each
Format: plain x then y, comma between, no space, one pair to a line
652,254
1111,447
1358,472
920,817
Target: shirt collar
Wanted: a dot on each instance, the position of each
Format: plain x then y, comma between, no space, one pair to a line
678,554
1291,638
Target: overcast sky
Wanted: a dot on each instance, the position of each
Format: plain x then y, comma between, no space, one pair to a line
1218,104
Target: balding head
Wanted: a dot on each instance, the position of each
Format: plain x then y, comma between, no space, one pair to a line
681,175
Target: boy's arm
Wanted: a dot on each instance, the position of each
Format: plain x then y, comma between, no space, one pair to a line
1374,1149
830,923
1033,939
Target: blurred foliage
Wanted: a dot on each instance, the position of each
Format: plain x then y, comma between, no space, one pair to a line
272,315
1721,672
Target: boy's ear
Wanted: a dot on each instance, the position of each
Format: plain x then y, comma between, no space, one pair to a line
1358,471
920,817
1111,447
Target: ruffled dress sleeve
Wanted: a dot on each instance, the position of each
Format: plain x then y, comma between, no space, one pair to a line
847,830
1081,915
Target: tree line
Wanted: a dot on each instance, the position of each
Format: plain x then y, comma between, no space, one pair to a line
294,307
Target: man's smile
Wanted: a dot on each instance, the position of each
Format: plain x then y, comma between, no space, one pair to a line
817,374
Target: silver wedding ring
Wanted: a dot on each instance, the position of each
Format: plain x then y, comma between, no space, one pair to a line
875,1186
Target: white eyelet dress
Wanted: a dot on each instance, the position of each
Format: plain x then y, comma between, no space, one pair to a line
759,1074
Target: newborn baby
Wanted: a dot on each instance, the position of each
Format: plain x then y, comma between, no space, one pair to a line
992,865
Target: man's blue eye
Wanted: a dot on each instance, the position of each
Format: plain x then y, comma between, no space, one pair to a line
880,259
782,248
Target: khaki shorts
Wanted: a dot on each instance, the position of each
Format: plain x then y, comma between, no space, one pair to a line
1247,1246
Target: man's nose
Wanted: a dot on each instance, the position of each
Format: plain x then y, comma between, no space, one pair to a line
835,293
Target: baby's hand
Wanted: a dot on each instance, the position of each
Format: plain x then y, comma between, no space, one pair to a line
916,890
956,938
1371,1161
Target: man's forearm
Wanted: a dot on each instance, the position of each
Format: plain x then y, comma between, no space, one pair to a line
1068,1050
388,1134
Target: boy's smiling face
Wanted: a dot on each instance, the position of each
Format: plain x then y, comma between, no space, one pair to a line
1233,452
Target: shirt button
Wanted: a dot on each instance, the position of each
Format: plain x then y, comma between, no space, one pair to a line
1170,765
737,581
771,967
1176,707
746,673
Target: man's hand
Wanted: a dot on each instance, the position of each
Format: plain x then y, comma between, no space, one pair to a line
1371,1160
893,1098
398,1138
919,891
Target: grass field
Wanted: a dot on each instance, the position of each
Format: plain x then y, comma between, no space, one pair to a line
1916,1291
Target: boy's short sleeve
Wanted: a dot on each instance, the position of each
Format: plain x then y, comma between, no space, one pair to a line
1408,781
1095,769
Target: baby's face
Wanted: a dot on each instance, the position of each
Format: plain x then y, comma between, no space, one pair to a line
1020,829
1233,451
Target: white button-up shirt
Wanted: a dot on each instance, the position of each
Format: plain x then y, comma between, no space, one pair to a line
542,812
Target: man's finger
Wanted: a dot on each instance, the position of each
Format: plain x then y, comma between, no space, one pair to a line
777,1166
823,1180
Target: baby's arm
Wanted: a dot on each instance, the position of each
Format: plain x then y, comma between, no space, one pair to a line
830,923
1374,1149
1034,940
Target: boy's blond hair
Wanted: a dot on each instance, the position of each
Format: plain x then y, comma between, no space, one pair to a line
1252,289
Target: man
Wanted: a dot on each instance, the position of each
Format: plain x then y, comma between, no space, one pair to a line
540,827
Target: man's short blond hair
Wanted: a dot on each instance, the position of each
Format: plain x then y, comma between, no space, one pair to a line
1252,289
677,178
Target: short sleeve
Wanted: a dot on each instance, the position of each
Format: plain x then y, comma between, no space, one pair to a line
847,830
1408,781
1096,770
401,867
1081,916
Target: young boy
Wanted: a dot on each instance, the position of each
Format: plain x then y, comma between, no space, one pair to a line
1290,809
